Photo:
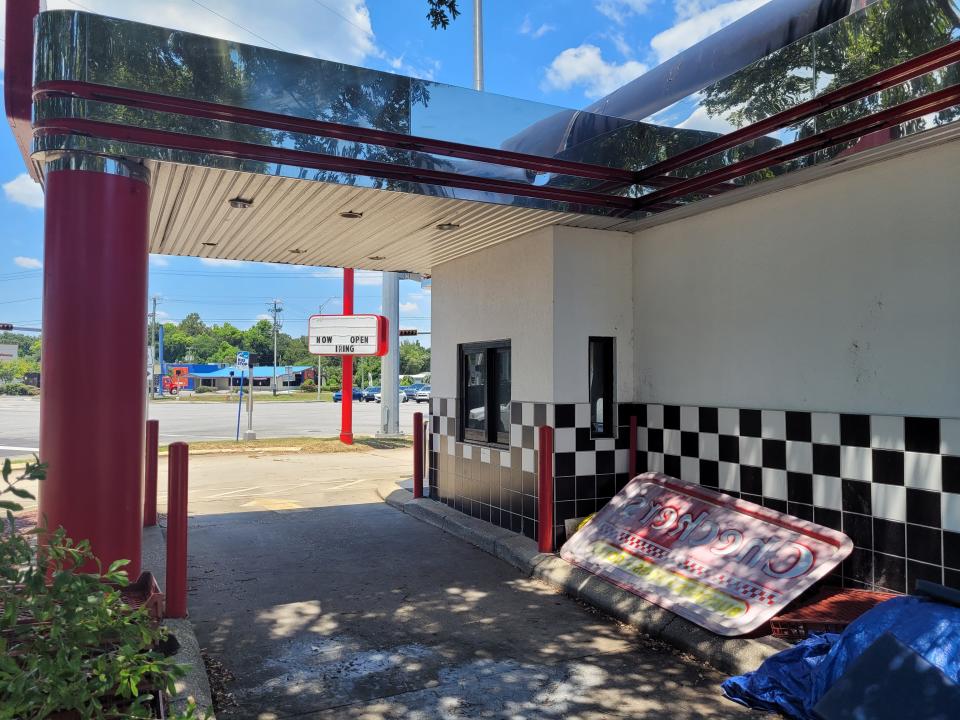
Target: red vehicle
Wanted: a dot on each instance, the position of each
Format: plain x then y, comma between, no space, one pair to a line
176,380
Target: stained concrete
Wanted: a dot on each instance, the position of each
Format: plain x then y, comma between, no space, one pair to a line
342,607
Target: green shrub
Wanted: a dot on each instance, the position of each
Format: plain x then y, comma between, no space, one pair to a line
203,389
308,386
68,641
18,388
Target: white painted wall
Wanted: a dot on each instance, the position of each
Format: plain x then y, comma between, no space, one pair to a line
501,292
839,295
593,295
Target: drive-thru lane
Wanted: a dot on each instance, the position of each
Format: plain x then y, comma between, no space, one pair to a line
324,602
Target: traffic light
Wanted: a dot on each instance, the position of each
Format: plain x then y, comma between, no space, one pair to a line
407,332
9,326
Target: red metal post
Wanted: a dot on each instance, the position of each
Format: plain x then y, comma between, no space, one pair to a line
633,447
346,401
179,465
418,455
150,475
545,489
94,316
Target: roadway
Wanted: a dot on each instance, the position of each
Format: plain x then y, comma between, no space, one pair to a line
189,421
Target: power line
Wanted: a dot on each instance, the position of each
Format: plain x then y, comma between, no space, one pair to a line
236,24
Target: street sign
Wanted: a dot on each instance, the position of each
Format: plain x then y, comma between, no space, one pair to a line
348,335
726,564
243,360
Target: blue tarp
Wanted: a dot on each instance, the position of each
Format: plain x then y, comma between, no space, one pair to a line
793,681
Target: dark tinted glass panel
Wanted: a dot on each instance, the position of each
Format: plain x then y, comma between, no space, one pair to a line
601,387
502,392
475,392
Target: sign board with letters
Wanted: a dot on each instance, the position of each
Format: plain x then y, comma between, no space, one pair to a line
726,564
243,360
8,352
348,335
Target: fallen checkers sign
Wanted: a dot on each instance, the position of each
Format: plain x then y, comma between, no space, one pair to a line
726,564
347,335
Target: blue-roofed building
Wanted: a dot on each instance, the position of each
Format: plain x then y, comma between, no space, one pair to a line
288,376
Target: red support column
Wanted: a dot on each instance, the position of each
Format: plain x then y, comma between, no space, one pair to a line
418,455
346,401
179,466
150,479
545,490
633,447
94,317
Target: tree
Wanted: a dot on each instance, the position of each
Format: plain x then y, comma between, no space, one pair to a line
414,358
192,325
441,12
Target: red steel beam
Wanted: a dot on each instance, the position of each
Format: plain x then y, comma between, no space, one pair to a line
882,80
545,490
417,455
320,161
339,131
885,119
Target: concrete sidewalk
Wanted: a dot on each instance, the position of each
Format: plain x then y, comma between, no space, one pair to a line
342,607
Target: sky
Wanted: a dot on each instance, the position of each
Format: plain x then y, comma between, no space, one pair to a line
562,52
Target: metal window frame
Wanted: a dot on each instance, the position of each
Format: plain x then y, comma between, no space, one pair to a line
489,435
610,428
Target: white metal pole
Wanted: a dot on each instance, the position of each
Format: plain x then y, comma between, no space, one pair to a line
478,44
390,363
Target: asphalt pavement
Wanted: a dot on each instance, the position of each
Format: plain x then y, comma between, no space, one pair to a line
189,421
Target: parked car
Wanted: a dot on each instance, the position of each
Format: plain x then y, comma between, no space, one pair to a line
379,396
357,394
423,394
411,390
370,393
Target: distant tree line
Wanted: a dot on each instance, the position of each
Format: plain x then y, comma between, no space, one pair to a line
193,341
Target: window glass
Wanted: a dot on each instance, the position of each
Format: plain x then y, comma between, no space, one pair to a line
484,395
601,355
502,392
475,391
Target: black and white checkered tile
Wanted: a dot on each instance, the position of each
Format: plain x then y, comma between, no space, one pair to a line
890,483
493,483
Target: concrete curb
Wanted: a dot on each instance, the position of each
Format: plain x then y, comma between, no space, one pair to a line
195,683
731,655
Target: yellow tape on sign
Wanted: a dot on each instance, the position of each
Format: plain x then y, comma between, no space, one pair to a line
672,582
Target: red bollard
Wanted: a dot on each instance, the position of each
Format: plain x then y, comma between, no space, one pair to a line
545,490
179,463
633,447
418,455
150,474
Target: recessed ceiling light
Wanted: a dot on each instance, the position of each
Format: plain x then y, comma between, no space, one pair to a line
209,244
240,203
377,257
448,226
298,251
351,215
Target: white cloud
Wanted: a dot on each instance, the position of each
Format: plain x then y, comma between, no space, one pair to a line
163,315
264,316
158,261
584,66
700,119
23,190
409,307
220,262
527,28
698,19
334,29
427,70
27,262
621,10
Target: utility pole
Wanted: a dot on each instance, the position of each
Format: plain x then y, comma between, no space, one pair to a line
478,44
320,357
275,309
153,352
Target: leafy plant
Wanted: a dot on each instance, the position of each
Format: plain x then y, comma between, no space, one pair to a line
68,641
308,386
18,388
